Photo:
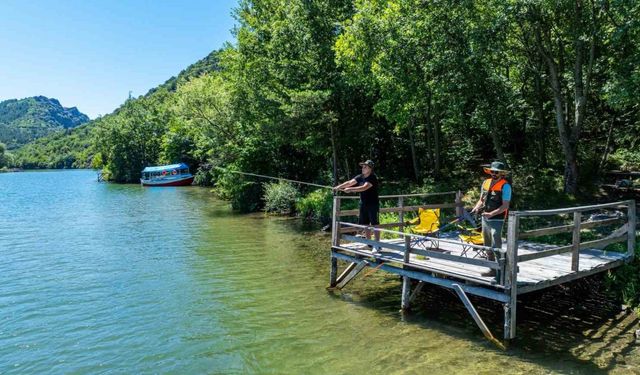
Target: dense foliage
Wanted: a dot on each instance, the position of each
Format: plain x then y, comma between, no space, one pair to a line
22,121
430,90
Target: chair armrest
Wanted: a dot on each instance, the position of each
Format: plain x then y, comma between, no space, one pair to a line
414,221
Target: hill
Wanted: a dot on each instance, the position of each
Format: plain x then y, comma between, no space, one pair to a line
24,120
74,147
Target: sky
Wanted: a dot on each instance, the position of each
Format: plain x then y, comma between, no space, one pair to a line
90,54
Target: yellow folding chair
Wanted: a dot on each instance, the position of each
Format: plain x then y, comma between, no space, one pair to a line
472,237
426,224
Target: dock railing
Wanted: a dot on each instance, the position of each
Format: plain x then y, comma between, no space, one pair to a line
624,233
406,242
505,288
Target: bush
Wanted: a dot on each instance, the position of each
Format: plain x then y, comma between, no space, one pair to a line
280,197
624,282
317,205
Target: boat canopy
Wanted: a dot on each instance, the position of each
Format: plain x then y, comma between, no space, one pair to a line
161,168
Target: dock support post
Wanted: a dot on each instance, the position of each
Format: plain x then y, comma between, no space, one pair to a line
631,229
334,271
512,276
575,252
406,293
335,240
406,281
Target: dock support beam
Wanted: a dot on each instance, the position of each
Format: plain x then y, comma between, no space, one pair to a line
511,276
406,293
352,274
334,272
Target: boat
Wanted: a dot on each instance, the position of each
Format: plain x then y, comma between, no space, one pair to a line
167,175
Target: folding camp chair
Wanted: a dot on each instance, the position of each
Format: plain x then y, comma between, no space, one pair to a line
426,224
471,237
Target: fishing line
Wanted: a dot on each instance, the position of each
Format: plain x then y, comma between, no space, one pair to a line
276,178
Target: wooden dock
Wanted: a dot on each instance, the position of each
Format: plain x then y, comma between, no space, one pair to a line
522,265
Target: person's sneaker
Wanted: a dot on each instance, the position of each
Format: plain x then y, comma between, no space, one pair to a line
376,250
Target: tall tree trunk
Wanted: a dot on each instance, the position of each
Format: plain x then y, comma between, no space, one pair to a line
429,130
436,141
495,137
541,120
334,151
413,150
571,166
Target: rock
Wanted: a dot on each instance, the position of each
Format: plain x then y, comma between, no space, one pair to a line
638,336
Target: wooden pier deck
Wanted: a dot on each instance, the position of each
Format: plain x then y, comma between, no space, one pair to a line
522,264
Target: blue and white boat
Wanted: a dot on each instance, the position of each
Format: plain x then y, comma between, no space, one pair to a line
167,175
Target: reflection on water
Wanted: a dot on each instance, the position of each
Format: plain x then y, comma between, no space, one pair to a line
119,278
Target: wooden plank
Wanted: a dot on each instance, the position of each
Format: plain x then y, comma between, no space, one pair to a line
417,236
400,209
572,209
566,228
427,253
431,267
428,278
354,272
511,278
575,251
569,277
631,234
564,249
418,195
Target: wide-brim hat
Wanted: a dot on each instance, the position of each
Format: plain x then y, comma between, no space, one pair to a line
495,167
368,163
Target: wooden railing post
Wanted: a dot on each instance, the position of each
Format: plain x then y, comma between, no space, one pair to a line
401,215
512,276
631,229
335,240
335,227
575,252
459,206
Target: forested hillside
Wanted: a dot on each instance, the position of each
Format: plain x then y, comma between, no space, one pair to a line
429,90
23,120
76,148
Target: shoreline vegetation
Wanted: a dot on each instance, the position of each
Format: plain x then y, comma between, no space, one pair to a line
309,89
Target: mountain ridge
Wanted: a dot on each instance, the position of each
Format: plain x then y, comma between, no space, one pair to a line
27,119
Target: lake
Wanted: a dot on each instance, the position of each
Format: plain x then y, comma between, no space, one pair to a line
103,278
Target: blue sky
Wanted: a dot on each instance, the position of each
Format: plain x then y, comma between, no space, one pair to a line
89,54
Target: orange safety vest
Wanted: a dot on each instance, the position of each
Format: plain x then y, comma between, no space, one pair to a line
492,195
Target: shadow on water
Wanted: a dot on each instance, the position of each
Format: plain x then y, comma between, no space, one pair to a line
572,323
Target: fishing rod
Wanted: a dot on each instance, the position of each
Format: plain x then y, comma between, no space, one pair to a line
276,178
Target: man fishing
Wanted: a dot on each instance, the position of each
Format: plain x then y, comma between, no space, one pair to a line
495,196
366,184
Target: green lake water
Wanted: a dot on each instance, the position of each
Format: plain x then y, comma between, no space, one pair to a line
103,278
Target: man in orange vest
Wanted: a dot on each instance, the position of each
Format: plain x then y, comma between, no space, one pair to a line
495,196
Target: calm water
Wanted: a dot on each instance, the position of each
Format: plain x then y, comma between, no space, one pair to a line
101,278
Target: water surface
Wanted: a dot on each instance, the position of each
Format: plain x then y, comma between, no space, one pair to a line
104,278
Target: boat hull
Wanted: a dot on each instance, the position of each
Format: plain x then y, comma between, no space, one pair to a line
186,181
